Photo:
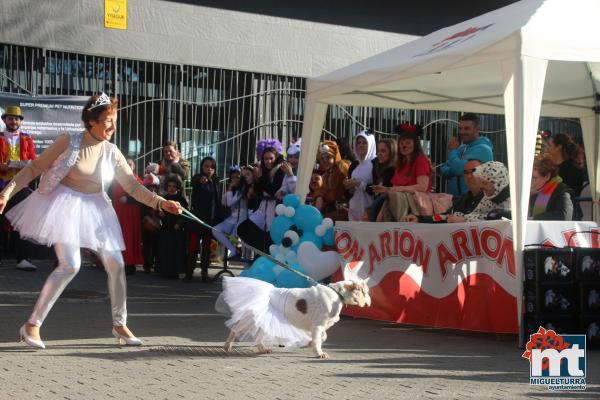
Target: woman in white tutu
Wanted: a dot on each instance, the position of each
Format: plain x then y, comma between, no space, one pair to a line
71,210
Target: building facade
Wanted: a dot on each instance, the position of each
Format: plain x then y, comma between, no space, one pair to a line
218,75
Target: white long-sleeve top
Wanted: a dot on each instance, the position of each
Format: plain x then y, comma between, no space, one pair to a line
238,205
289,184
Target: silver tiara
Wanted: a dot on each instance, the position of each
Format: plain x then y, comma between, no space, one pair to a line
103,100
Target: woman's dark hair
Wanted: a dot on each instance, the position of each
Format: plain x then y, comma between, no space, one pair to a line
392,147
545,167
242,180
570,149
244,184
346,152
207,159
406,128
88,115
174,178
278,158
418,150
234,170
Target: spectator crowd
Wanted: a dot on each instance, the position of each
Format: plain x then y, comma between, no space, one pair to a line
390,179
386,180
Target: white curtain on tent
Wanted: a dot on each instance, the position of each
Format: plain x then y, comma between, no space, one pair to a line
314,117
524,86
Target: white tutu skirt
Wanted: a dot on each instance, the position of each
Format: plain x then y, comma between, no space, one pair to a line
68,217
254,318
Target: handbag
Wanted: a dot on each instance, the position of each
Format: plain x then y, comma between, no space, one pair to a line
432,203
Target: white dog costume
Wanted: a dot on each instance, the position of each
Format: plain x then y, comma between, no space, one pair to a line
264,314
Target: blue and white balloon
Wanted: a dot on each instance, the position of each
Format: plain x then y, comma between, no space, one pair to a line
291,200
298,233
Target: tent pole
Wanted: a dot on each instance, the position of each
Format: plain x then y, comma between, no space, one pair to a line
523,89
314,117
589,127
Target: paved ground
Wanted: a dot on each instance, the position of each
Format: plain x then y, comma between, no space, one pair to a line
182,356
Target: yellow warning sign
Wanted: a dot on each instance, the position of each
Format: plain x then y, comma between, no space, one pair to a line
115,14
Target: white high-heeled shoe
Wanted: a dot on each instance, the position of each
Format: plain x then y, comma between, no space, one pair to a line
23,337
129,341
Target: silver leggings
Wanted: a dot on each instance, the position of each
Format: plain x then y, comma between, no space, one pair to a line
69,262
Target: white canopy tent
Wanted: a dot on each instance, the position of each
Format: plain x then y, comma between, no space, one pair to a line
527,59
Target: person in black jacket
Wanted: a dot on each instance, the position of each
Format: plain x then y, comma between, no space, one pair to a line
384,166
171,256
206,205
269,177
569,158
550,198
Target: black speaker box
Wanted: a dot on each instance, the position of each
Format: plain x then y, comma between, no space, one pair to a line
591,328
590,299
587,263
549,265
560,325
558,299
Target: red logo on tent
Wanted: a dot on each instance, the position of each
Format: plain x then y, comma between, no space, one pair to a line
454,39
466,32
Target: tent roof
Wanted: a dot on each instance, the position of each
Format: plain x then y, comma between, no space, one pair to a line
460,67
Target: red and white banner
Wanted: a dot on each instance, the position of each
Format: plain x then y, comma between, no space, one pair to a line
459,276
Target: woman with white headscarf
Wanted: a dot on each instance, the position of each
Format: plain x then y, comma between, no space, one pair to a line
493,180
361,175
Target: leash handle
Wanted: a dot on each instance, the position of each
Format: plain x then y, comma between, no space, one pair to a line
187,214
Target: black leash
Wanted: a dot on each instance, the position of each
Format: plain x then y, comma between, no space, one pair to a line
187,214
336,292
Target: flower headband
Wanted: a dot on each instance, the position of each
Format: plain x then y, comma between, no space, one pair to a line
294,148
234,168
408,128
413,131
102,100
262,145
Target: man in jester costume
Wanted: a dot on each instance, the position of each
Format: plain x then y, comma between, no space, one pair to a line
16,151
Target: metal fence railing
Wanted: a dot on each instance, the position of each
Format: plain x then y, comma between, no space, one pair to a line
217,112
